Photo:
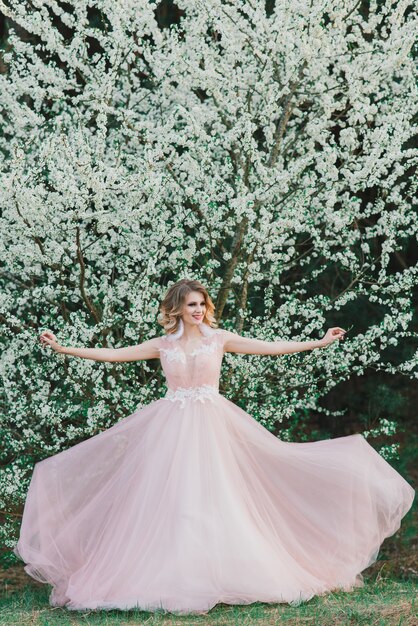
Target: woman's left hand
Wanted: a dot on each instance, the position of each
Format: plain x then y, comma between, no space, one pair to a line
332,335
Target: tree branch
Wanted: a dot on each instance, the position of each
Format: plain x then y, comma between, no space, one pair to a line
93,311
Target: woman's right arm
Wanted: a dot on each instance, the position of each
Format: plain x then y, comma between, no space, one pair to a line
146,350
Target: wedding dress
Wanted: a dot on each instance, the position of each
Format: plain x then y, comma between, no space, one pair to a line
190,502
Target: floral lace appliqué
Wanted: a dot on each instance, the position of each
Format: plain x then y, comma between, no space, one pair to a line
196,394
174,354
178,354
205,348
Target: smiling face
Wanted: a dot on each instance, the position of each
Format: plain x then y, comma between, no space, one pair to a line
194,308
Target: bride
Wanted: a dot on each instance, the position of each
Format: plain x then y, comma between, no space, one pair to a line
189,501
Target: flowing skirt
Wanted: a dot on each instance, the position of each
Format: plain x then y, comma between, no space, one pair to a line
177,508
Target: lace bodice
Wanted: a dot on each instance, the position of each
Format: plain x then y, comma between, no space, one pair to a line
192,374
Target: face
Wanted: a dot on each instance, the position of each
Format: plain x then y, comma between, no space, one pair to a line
194,308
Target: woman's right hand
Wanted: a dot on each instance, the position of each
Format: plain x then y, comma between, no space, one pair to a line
48,338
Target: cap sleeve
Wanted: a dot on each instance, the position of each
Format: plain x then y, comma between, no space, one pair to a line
220,337
162,342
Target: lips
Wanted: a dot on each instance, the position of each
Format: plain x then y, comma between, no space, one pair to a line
197,317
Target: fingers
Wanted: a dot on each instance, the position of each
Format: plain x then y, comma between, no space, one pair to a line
46,340
337,333
47,335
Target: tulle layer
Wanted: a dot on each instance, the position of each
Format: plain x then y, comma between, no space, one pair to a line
178,508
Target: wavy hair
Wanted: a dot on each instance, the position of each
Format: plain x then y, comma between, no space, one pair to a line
171,307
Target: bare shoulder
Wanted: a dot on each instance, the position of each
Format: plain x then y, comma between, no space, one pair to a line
152,347
155,341
227,334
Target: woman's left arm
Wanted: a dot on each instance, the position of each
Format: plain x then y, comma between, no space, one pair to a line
246,345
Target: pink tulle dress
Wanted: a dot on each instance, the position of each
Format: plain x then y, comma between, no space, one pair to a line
189,502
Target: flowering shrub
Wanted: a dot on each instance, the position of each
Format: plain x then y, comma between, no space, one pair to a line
256,149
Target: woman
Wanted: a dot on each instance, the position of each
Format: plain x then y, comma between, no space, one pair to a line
190,501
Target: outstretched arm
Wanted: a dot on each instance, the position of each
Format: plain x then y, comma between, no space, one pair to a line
145,350
246,345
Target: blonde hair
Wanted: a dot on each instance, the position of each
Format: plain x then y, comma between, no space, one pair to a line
171,308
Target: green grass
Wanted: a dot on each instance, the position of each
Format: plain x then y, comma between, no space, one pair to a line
383,601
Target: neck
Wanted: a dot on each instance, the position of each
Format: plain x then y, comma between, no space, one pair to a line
191,331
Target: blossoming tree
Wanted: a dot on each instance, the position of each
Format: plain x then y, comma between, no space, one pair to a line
255,146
